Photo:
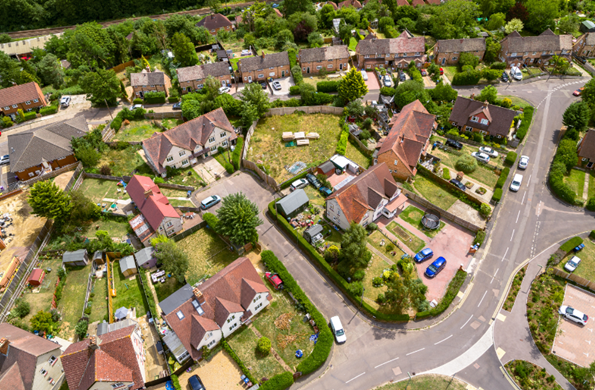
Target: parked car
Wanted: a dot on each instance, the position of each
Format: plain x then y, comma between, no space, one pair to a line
65,101
210,202
313,180
424,72
481,157
274,279
263,84
572,264
578,92
573,315
224,89
435,268
489,151
441,72
4,159
135,106
246,52
457,183
276,85
402,76
454,144
326,191
515,185
505,77
195,383
524,162
364,74
423,255
338,330
387,81
515,73
177,106
299,183
579,248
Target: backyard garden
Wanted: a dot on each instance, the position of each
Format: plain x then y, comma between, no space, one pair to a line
413,216
128,292
137,131
406,237
73,299
40,298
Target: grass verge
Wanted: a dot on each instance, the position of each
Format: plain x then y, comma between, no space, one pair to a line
411,240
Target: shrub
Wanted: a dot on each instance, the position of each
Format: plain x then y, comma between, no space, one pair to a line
116,123
176,382
342,144
49,110
105,170
21,309
81,329
571,244
510,159
503,176
377,281
294,90
528,116
498,65
468,77
296,72
137,101
229,168
592,235
479,237
387,91
327,86
591,204
446,174
264,346
30,115
497,195
211,220
372,226
6,122
278,382
173,99
236,155
154,97
485,210
158,180
466,164
359,275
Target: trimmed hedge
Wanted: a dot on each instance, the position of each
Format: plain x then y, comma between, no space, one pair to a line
49,110
176,382
278,382
479,237
453,289
497,195
173,99
342,144
387,91
498,65
327,86
571,244
592,234
510,159
30,115
590,204
117,123
446,174
323,346
137,101
287,183
524,128
240,363
154,97
294,90
237,153
470,77
503,176
228,167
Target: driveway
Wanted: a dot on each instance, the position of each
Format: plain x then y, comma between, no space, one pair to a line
209,169
286,83
372,82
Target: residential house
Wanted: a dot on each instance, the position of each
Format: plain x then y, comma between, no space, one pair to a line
142,229
330,59
586,150
350,3
448,51
154,206
364,199
114,360
534,51
34,153
434,2
181,146
265,66
192,78
146,258
128,266
293,204
585,46
201,316
78,258
145,81
28,362
472,115
26,97
402,3
407,140
214,23
393,52
417,3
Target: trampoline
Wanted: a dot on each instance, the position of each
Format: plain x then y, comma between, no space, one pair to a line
431,220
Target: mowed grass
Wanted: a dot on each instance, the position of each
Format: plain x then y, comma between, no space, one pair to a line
517,101
482,174
137,131
586,268
376,240
128,292
413,216
434,193
125,162
406,237
165,289
315,196
426,382
576,181
375,269
116,229
73,299
267,144
99,306
208,254
43,299
170,123
591,184
97,190
243,342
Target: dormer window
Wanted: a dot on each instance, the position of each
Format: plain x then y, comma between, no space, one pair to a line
484,122
474,119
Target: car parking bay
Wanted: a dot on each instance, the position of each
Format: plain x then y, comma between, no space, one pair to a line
286,83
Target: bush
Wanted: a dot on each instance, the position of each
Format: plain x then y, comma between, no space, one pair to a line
327,86
240,363
176,382
173,99
294,90
116,123
485,210
137,101
105,170
498,65
211,220
228,167
479,237
264,346
30,115
446,174
81,329
510,159
497,195
466,164
571,244
21,309
468,77
6,122
372,226
154,97
528,116
591,204
236,155
592,235
453,289
278,382
296,72
49,110
503,176
359,275
342,144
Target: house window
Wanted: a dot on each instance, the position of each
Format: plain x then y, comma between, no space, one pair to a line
585,159
182,152
272,74
258,306
233,326
199,86
261,76
474,119
212,139
118,385
256,299
223,134
31,174
513,55
388,56
319,67
303,69
27,103
224,144
367,56
544,52
368,66
468,128
14,106
35,100
43,372
332,207
534,52
484,121
52,360
454,58
396,163
271,68
330,66
213,148
231,318
170,158
179,313
7,108
185,162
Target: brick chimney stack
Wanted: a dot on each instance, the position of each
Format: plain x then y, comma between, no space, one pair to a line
93,342
198,295
148,193
263,54
4,343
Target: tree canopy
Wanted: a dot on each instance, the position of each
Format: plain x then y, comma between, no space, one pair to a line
174,259
48,201
352,86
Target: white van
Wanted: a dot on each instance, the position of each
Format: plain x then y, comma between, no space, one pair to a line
516,73
338,330
516,182
364,74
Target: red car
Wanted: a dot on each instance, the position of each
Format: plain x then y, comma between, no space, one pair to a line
578,91
275,280
441,71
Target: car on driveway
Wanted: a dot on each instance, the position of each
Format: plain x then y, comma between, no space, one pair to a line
387,81
578,92
423,255
65,101
424,72
313,180
458,184
263,84
516,74
135,106
299,183
4,159
572,264
177,106
210,202
524,162
224,89
274,279
435,268
515,185
194,383
402,76
276,85
481,157
504,77
489,151
573,315
454,144
326,191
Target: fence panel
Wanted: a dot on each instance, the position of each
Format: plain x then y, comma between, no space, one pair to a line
188,232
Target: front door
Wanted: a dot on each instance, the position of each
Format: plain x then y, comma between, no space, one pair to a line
249,79
308,69
282,73
443,61
141,94
340,66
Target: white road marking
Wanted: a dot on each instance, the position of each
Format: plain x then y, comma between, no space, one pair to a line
484,295
523,201
411,353
517,216
356,377
529,181
443,340
512,235
467,321
503,257
386,362
494,276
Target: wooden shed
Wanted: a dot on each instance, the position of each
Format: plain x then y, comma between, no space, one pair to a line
36,277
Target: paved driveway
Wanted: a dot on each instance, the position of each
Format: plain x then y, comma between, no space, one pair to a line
209,169
286,83
372,82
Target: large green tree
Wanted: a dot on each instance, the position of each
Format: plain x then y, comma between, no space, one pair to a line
183,50
173,259
352,86
238,219
577,115
42,322
293,6
9,70
541,15
354,249
254,96
48,201
50,71
101,86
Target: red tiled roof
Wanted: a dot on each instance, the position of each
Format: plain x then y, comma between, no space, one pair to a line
350,3
20,94
586,147
402,2
199,327
415,3
500,118
214,21
11,378
154,207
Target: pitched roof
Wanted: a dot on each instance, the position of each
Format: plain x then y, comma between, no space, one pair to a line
114,360
461,45
45,144
402,3
199,327
144,255
586,147
145,78
20,94
415,3
154,207
199,72
350,3
410,131
501,118
365,192
589,39
214,21
186,136
20,364
324,53
127,263
434,2
547,40
77,255
403,44
293,201
263,61
36,275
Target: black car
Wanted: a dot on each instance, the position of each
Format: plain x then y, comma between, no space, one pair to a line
454,144
195,383
263,84
458,184
402,76
177,106
313,180
504,76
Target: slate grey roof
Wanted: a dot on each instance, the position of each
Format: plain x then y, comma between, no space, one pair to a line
102,328
147,78
327,166
144,255
70,257
260,62
313,230
461,45
174,301
324,53
49,143
547,40
293,201
127,263
199,72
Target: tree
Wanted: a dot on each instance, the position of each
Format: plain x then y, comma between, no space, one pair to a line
443,93
569,24
48,201
588,94
9,70
513,25
352,86
468,59
489,93
249,40
519,11
264,345
492,50
282,38
50,71
560,64
101,87
5,38
541,15
174,259
353,247
355,108
83,208
315,40
21,309
238,219
410,91
577,115
42,322
81,329
212,86
292,6
496,21
183,50
327,14
491,7
491,74
254,95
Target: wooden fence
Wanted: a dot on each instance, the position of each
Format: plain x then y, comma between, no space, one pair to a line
121,67
305,109
586,283
53,173
11,193
75,179
252,165
188,232
164,115
110,290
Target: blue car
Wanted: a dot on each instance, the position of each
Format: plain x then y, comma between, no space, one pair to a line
423,255
435,268
326,191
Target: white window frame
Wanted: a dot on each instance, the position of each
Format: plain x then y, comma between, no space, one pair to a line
169,158
474,119
272,74
185,162
223,134
211,140
330,66
182,153
484,122
15,106
28,102
261,76
468,128
318,67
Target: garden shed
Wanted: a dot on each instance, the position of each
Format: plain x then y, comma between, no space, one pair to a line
293,204
313,233
36,277
127,266
78,258
145,258
587,26
327,168
98,257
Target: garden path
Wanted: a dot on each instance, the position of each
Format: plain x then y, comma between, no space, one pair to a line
586,188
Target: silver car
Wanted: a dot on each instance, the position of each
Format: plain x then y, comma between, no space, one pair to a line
572,264
481,157
573,315
299,183
524,162
489,151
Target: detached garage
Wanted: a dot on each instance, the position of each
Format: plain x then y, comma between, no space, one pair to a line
36,277
293,204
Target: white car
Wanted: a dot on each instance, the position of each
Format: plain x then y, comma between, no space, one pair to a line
338,330
515,185
364,74
276,85
481,157
4,159
572,264
134,107
246,52
516,73
299,183
489,151
224,89
65,101
573,315
524,162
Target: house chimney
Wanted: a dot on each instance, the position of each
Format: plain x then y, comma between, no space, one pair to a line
485,104
93,342
472,96
148,193
263,54
4,343
198,295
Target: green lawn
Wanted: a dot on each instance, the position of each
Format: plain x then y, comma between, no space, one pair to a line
356,156
586,268
315,197
243,342
185,177
434,193
165,289
412,215
43,299
99,306
450,71
137,131
384,246
125,162
114,228
375,269
576,181
97,190
591,184
128,292
517,101
222,158
406,237
170,123
73,298
482,174
208,254
426,382
352,43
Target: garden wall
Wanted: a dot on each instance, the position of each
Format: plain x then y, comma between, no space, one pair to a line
306,109
163,115
575,278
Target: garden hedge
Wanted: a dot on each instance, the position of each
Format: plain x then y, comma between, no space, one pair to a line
278,382
30,115
503,176
49,110
240,363
524,128
176,382
446,174
453,289
137,101
154,97
591,204
116,123
510,159
323,346
342,144
471,77
327,86
592,234
571,244
287,183
497,195
237,153
229,168
173,99
294,90
498,65
480,237
211,220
